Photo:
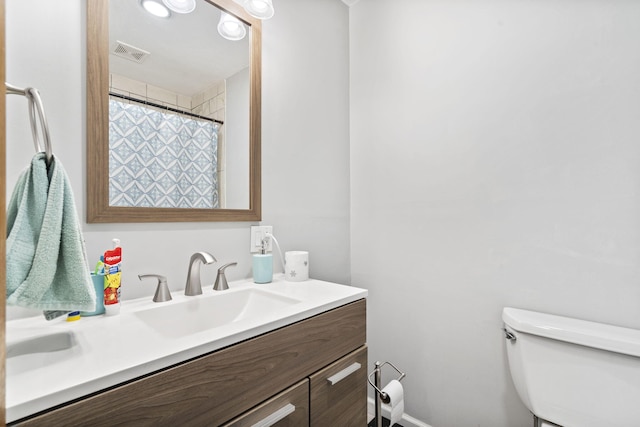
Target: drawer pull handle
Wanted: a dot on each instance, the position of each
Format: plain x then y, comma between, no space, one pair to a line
281,413
334,379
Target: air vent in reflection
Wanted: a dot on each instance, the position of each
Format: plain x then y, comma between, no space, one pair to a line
129,52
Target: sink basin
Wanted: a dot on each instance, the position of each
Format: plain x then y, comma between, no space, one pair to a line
176,319
38,352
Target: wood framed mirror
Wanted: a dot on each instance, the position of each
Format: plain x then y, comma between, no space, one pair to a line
100,207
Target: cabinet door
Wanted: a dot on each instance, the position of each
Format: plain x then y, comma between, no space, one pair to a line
339,392
287,409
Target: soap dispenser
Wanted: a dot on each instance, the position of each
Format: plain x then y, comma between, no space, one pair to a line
263,265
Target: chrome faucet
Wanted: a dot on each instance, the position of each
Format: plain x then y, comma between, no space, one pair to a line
193,286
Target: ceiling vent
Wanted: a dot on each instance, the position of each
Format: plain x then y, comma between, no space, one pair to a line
129,52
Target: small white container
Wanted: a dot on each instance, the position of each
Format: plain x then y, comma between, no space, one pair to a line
296,266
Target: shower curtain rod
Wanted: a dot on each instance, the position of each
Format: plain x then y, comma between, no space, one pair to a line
163,107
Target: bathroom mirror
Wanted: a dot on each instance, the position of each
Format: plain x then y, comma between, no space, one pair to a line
237,195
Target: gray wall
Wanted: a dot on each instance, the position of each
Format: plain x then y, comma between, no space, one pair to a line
494,162
46,49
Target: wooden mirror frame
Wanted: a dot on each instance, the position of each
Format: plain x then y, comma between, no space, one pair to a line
98,208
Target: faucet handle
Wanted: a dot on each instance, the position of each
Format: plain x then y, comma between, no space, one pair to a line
162,291
221,280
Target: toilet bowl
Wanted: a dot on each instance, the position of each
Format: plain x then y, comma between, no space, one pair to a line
574,373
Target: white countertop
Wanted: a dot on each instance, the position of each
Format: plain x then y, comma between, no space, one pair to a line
109,350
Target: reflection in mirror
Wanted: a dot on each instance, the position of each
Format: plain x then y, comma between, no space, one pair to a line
169,80
173,122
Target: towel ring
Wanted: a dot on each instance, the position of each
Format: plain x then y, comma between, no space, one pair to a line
35,102
35,109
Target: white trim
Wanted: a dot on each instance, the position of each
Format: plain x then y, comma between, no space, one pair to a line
407,420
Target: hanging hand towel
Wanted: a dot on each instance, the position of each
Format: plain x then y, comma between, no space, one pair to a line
47,265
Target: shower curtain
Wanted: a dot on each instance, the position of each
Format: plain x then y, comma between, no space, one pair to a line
161,159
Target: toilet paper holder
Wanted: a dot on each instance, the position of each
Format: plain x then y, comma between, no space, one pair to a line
381,396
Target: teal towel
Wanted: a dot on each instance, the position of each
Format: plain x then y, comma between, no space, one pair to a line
47,265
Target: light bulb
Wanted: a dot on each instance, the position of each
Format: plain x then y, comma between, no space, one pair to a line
155,8
261,9
230,27
180,6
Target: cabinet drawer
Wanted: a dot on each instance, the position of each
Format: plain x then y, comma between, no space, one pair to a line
339,392
288,409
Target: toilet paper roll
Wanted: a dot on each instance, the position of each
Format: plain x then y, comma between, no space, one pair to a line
396,400
296,266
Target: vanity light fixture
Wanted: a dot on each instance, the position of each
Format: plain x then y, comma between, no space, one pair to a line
261,9
155,8
230,27
180,6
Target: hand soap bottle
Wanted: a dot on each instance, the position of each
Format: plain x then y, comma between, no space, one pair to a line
262,266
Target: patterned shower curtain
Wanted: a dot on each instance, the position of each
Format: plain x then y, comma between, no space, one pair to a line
161,159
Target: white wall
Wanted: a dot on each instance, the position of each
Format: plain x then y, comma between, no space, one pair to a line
46,49
305,115
236,144
494,162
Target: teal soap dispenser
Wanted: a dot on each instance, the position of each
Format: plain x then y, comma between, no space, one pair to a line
262,266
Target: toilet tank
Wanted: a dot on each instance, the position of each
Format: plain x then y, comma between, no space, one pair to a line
573,372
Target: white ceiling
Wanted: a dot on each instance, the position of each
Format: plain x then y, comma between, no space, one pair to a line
350,2
187,53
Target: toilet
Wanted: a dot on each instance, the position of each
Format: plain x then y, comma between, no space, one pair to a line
574,373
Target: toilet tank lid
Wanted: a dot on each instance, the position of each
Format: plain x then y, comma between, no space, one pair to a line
582,332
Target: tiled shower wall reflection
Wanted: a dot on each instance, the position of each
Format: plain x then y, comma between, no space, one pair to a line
209,103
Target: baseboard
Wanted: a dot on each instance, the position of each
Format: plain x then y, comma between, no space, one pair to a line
407,420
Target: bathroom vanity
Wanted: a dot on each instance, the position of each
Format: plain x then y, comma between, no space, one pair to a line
309,371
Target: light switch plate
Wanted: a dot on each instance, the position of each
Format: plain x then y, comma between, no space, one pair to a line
258,232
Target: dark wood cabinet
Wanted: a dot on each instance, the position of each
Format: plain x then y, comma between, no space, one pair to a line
218,387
